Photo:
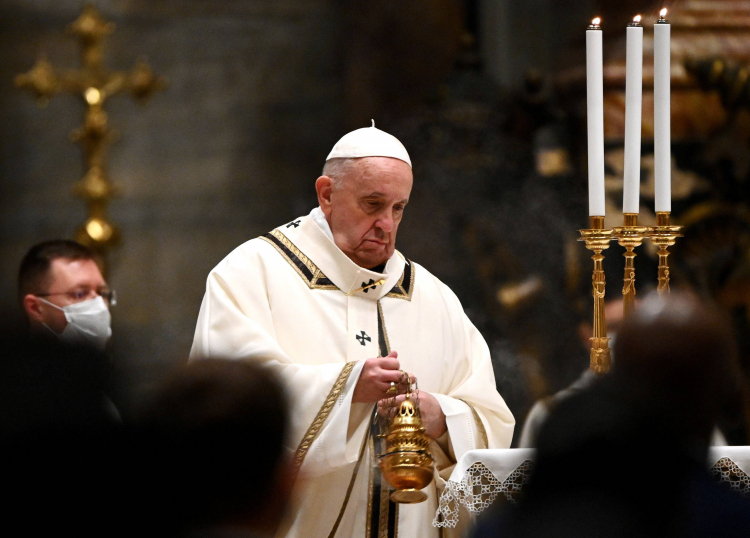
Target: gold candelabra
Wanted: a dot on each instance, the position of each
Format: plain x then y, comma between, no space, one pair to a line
629,236
597,239
663,235
94,84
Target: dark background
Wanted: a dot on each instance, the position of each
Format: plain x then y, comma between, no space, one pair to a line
479,91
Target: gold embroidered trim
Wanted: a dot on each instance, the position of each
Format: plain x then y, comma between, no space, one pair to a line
314,429
317,274
382,325
398,291
351,486
385,497
297,252
395,525
412,280
401,292
368,525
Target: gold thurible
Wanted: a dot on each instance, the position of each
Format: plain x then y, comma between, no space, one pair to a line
629,236
663,235
406,462
597,239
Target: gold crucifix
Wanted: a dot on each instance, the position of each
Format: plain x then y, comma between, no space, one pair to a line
94,84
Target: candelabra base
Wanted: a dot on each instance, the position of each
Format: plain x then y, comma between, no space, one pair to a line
601,358
629,236
597,239
663,235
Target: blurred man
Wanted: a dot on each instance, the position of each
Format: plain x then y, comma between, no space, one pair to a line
328,301
627,457
542,408
62,292
613,312
213,457
59,437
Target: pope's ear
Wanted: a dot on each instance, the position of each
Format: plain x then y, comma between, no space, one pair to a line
32,307
324,188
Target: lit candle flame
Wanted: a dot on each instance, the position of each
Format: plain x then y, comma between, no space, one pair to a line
663,13
637,18
596,21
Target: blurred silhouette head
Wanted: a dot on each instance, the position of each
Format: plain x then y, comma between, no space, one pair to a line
626,457
58,436
214,438
681,352
50,388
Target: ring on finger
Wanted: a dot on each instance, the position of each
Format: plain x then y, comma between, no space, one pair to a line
392,389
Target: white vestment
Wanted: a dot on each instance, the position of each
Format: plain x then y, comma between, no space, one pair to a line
291,298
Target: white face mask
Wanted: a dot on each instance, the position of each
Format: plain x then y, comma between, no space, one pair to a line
88,323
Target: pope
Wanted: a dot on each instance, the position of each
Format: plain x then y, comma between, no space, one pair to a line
329,302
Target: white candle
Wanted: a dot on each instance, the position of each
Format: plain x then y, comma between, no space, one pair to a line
633,98
662,148
595,117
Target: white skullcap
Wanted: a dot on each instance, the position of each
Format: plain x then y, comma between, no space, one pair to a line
369,142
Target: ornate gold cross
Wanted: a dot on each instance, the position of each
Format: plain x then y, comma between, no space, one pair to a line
94,84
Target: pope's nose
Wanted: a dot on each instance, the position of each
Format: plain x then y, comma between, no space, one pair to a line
385,224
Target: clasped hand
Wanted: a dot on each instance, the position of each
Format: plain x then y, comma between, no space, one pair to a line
375,381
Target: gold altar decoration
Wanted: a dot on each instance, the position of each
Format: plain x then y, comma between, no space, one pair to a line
597,239
663,235
731,81
406,462
94,83
629,236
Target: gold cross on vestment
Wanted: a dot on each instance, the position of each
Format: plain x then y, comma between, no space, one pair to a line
94,83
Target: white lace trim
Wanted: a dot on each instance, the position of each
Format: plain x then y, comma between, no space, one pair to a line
477,490
725,470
